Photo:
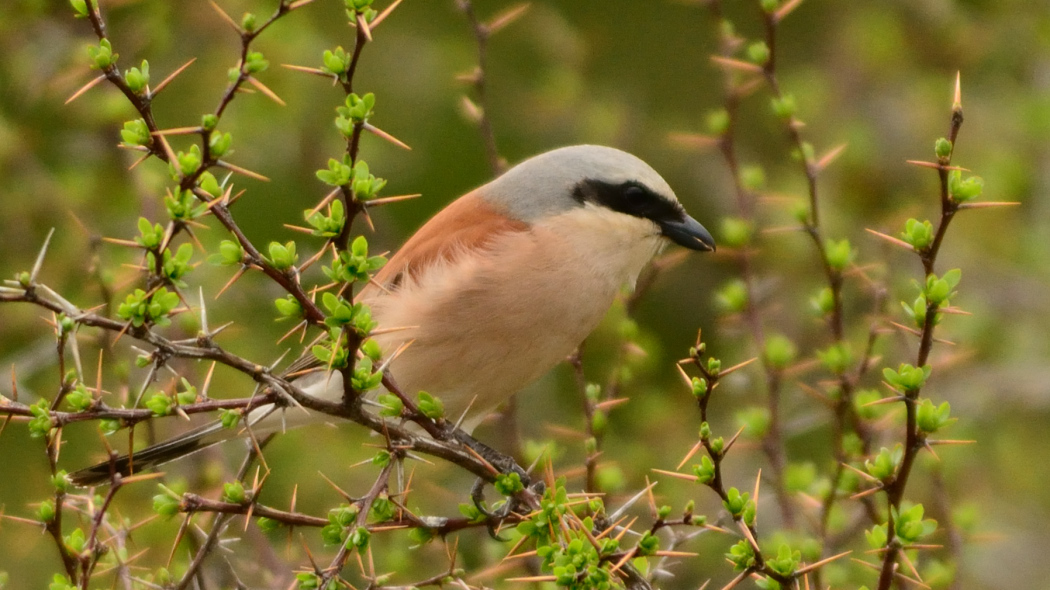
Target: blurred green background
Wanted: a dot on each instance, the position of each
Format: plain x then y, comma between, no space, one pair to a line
877,76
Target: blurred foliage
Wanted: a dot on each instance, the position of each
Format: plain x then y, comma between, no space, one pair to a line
624,73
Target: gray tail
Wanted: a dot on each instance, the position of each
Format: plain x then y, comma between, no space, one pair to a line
180,446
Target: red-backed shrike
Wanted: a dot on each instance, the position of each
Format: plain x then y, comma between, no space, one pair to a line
499,286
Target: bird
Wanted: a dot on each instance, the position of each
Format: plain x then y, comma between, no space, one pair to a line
496,289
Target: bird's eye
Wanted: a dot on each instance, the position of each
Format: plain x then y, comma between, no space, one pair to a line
634,192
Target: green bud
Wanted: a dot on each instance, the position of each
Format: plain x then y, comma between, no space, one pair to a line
137,79
508,484
358,538
837,358
75,541
736,503
910,525
718,122
590,445
233,492
964,190
248,22
267,525
753,177
599,422
800,212
885,463
136,133
754,420
784,107
918,233
839,254
166,504
714,366
289,307
283,257
430,406
209,122
80,8
907,378
254,63
705,471
648,544
736,232
219,144
102,56
335,62
108,426
780,351
943,148
610,478
699,387
876,537
46,511
705,431
930,418
230,418
798,477
733,297
420,536
392,405
758,53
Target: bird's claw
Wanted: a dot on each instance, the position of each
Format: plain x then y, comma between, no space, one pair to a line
493,520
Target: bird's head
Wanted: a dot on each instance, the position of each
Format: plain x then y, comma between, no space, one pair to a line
599,178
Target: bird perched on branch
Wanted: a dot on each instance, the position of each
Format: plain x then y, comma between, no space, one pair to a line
497,288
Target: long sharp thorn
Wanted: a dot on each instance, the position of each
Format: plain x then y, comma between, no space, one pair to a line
785,10
174,161
225,16
463,416
266,90
384,135
388,200
729,444
736,64
308,70
94,82
692,140
830,156
204,312
957,97
989,204
141,159
177,131
365,28
891,239
737,367
232,280
386,12
736,581
506,17
239,170
690,454
168,80
758,485
40,257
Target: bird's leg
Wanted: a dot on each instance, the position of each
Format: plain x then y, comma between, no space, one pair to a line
493,520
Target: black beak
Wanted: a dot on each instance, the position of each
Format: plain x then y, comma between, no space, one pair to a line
689,233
